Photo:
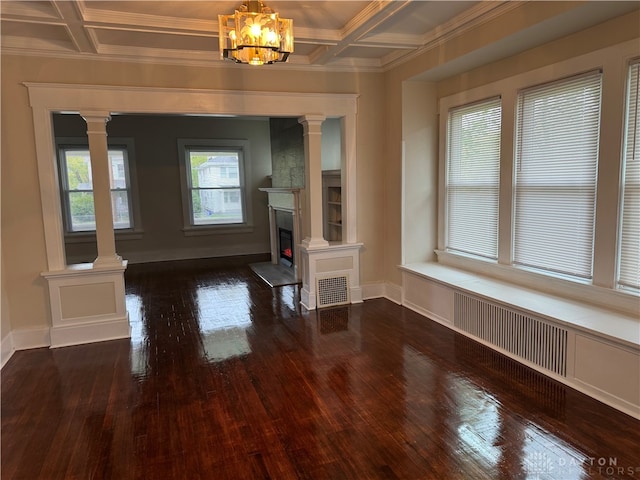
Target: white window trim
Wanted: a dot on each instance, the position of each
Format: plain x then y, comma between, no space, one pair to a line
245,180
134,233
634,63
602,290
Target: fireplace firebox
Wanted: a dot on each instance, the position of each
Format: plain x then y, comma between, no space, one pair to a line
285,246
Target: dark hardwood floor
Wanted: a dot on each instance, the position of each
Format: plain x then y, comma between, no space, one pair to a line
226,378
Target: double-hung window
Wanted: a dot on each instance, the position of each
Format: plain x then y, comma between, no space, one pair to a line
473,179
629,247
213,183
77,188
556,161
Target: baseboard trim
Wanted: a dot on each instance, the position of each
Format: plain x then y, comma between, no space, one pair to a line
389,291
79,334
6,349
27,338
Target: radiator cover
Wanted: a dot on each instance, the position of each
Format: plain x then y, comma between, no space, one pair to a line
539,342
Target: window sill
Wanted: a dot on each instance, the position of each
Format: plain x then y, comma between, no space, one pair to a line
609,298
90,237
199,230
617,326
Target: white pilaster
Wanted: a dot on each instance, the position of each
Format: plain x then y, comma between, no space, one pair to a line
101,175
312,131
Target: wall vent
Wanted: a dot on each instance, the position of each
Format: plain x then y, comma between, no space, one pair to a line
534,340
332,291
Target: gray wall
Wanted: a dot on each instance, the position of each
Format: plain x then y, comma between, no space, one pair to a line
158,181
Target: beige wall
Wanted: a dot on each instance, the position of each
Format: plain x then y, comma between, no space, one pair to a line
5,324
22,229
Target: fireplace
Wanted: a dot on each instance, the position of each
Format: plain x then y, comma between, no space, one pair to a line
285,246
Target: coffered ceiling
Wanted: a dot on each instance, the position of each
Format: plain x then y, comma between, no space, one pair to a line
369,35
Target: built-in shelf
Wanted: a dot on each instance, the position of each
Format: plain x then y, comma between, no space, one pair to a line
332,205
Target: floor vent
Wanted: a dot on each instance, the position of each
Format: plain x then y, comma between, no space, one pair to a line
539,342
332,291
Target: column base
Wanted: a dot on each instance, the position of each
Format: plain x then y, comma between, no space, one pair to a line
108,261
87,304
311,243
329,261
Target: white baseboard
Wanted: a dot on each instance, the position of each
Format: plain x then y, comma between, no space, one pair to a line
81,333
373,290
389,291
27,338
6,349
393,292
23,339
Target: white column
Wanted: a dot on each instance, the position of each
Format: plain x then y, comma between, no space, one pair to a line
312,129
100,172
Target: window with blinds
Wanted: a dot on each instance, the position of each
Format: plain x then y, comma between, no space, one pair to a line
473,178
556,157
629,248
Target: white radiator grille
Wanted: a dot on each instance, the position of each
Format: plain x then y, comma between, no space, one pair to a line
534,340
332,291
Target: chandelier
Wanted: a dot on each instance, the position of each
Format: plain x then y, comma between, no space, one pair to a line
255,34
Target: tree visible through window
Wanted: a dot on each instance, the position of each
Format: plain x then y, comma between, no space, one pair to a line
77,189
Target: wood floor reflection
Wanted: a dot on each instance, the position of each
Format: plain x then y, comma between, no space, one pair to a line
226,378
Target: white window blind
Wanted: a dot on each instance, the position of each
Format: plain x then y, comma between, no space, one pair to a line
629,258
473,178
557,136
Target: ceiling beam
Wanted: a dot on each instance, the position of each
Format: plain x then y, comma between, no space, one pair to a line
374,15
74,25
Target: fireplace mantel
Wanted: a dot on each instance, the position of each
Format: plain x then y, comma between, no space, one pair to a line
283,198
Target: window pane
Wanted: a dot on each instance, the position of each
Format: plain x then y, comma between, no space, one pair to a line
78,170
79,188
120,208
118,169
214,169
216,206
216,186
629,250
556,167
473,178
81,211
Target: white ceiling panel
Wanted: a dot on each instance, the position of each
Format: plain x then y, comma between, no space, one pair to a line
344,34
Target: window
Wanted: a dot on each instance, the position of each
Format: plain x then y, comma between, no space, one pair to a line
629,248
213,182
473,178
77,188
556,159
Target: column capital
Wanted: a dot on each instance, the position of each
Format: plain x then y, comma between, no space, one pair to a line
310,121
96,116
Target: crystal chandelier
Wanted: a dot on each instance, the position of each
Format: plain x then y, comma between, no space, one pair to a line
255,34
